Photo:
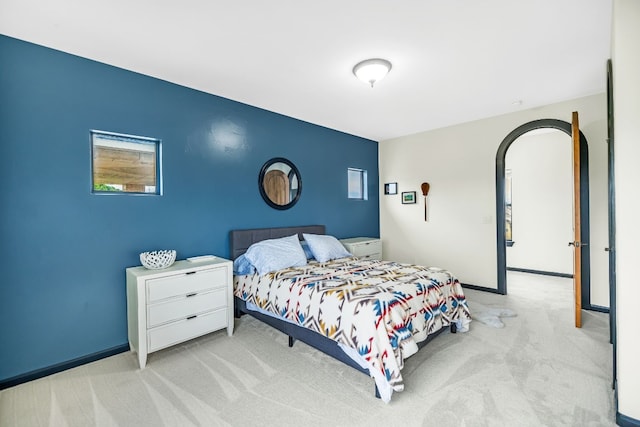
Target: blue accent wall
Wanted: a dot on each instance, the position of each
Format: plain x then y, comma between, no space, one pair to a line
64,250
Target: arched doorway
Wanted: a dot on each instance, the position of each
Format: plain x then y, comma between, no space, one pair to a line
584,201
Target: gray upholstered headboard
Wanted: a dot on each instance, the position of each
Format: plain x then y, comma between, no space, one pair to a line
240,240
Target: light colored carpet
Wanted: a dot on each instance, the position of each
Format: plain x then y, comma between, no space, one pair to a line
538,370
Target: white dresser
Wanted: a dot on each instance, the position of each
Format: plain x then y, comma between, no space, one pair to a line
364,247
178,303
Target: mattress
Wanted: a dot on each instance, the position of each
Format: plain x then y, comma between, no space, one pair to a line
378,311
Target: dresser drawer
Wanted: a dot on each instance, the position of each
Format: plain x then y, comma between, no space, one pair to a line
176,332
371,256
363,249
185,283
183,307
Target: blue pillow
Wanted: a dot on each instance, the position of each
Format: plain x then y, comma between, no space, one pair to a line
276,254
242,266
325,248
306,249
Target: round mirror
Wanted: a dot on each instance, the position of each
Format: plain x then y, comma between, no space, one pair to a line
280,184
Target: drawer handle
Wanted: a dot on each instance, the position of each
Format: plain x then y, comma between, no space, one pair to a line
190,272
192,317
192,295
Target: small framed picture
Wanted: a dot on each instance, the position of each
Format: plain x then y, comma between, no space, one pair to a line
408,197
391,188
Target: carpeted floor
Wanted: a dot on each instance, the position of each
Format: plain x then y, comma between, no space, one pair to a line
538,370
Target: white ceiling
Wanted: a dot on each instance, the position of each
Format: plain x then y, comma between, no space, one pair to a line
453,60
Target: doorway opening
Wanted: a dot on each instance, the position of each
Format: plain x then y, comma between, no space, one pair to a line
539,204
501,205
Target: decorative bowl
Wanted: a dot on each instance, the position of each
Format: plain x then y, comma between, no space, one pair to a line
155,260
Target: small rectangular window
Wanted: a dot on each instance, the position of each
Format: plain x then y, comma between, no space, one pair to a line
125,164
357,184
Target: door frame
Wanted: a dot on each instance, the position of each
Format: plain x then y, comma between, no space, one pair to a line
611,189
584,202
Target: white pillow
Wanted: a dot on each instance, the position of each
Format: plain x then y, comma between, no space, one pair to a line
276,254
325,248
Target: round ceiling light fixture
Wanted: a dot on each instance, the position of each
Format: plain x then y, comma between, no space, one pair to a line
371,71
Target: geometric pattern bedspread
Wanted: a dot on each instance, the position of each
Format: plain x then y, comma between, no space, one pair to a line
381,309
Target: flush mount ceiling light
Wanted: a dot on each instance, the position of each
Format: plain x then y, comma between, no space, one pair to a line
372,70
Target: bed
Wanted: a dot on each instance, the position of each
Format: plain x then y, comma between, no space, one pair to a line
368,314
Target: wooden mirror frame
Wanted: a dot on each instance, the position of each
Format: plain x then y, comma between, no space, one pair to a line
293,171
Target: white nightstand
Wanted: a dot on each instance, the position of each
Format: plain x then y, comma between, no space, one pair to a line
178,303
364,247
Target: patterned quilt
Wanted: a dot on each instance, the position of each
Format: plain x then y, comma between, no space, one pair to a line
381,309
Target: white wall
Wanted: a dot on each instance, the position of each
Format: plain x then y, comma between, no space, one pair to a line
459,162
542,202
626,96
